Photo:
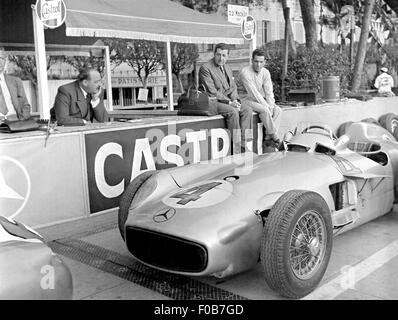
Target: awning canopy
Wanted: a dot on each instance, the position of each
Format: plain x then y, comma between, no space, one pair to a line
158,20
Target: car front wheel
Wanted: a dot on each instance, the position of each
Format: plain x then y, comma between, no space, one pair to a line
127,198
296,243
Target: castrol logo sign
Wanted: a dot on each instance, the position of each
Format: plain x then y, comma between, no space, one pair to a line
248,27
52,13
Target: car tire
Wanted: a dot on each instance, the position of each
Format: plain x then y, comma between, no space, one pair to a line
286,217
128,196
343,128
395,133
389,121
371,120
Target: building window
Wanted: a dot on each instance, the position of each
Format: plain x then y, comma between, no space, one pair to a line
115,96
127,97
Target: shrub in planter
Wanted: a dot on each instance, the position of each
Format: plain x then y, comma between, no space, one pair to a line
308,66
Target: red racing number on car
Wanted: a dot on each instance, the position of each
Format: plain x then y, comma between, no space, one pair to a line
194,193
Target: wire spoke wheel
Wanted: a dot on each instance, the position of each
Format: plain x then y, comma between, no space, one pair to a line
297,243
307,244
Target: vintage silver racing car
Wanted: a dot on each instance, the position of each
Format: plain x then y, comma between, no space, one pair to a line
28,267
219,217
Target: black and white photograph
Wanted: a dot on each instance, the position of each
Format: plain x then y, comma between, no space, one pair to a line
199,155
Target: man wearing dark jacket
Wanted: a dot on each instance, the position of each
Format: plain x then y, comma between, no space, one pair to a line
13,102
216,78
80,101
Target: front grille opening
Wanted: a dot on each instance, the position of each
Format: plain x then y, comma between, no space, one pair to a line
165,251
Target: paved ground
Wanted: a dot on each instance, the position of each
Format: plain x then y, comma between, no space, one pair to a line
363,266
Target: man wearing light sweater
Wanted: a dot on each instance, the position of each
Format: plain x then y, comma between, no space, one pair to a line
259,95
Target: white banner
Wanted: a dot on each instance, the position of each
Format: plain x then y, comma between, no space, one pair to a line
237,13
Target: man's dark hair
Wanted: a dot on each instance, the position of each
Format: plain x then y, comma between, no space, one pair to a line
259,53
222,46
85,73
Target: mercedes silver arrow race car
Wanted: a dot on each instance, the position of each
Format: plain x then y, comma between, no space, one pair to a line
219,217
28,267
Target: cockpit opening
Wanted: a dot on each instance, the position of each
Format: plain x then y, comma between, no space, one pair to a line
297,148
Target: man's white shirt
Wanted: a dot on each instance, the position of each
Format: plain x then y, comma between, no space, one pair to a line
93,103
384,82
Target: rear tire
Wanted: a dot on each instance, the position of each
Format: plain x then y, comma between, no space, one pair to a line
128,196
389,122
296,244
395,134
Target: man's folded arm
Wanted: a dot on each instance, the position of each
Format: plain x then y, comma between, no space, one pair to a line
100,113
252,90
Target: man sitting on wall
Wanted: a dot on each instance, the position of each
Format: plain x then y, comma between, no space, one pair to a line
13,102
215,76
259,95
80,101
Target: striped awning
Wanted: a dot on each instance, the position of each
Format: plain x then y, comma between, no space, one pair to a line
158,20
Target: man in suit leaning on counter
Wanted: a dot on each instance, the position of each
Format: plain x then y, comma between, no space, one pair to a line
80,101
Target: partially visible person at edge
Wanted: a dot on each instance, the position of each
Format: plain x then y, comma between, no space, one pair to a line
215,76
258,94
80,101
13,102
384,82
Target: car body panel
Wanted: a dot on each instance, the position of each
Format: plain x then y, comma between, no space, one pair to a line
29,269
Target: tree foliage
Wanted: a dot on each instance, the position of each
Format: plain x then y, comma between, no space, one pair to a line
145,57
184,56
308,66
79,62
211,6
26,65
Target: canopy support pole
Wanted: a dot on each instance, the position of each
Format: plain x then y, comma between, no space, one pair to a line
169,74
41,66
108,79
253,45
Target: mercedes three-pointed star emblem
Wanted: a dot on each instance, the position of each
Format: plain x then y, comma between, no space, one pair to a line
164,215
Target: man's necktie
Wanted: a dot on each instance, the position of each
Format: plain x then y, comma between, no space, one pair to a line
224,73
3,105
88,99
89,107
